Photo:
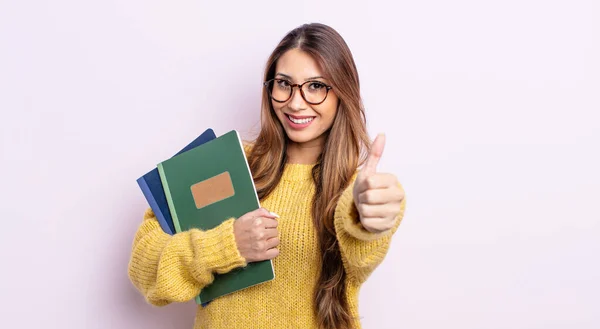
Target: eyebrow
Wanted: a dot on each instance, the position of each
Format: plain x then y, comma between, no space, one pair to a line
308,79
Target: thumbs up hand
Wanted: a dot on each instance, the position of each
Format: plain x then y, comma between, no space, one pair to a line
377,196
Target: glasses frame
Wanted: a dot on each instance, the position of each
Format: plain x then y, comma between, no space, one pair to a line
299,85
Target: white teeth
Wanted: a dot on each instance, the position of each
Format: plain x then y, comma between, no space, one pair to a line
300,121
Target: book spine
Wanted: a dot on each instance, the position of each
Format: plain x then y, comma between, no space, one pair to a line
154,205
165,184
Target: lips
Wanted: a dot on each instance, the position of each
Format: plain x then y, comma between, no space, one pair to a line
299,122
299,117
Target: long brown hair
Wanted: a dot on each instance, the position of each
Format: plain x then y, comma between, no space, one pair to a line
345,147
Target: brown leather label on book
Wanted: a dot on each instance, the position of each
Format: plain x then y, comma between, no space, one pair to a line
212,190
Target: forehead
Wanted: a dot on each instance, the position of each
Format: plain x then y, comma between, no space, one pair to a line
298,64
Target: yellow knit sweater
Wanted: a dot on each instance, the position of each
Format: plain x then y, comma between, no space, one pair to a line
174,268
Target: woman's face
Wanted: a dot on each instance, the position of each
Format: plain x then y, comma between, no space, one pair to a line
304,123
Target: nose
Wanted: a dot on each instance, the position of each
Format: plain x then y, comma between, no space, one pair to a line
297,102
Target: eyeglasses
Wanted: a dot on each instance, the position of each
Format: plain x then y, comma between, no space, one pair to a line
313,92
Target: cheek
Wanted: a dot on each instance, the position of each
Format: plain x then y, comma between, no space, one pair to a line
277,109
328,111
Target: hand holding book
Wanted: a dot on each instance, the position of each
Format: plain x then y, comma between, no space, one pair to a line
210,184
256,235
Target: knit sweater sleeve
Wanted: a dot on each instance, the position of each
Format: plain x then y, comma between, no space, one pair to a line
175,268
362,251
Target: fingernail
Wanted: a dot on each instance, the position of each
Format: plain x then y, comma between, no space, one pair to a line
274,214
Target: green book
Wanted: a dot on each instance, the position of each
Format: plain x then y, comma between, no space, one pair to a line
206,186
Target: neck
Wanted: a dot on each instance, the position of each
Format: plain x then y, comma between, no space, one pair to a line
304,153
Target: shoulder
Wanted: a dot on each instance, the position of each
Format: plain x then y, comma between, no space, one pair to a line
354,175
248,145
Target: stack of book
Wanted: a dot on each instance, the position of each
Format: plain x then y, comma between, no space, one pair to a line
204,184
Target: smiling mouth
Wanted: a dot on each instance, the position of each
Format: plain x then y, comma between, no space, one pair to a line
300,120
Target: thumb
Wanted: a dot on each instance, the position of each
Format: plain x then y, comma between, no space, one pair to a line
370,167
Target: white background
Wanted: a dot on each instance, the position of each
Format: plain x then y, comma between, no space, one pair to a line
491,109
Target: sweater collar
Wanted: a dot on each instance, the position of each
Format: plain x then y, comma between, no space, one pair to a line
297,172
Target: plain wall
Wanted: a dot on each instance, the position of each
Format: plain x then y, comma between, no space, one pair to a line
491,110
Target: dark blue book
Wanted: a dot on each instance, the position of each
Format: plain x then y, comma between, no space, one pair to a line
152,187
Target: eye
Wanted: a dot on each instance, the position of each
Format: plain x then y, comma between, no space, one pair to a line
283,84
316,86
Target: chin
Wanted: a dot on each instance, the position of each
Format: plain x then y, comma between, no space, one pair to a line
297,137
302,137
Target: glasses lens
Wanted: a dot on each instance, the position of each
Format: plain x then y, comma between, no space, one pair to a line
280,90
314,92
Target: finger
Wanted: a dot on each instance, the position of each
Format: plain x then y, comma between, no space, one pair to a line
272,243
263,212
374,156
368,211
376,181
271,253
270,223
377,224
377,210
271,233
380,196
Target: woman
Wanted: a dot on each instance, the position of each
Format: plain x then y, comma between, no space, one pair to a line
335,222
